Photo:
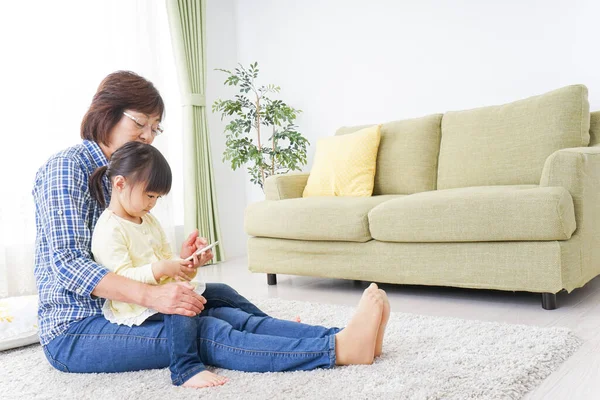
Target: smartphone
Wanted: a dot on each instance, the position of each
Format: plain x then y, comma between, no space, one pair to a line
202,250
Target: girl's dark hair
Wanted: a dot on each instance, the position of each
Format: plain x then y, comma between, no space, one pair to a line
138,163
118,92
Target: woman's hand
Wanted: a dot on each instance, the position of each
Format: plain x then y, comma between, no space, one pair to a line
193,243
175,298
177,269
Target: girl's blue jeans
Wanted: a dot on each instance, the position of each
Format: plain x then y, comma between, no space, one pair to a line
230,333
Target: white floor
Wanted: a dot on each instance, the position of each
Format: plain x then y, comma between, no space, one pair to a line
578,378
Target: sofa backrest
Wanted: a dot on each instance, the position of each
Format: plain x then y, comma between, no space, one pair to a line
508,144
595,128
407,156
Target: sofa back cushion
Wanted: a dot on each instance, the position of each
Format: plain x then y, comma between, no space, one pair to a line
508,144
408,154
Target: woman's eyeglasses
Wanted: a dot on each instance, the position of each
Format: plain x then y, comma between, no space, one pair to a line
142,122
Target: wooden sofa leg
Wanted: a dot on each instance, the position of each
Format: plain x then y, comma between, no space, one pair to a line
271,279
549,301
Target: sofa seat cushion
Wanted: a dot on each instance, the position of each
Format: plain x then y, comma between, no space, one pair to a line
313,218
476,214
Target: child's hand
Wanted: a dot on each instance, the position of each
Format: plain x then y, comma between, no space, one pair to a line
176,269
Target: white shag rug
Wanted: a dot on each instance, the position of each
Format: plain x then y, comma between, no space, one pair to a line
424,358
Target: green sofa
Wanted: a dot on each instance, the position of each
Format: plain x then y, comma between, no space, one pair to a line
504,197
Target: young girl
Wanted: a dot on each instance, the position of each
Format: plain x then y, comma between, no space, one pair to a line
130,242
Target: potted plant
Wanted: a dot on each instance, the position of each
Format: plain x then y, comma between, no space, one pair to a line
251,115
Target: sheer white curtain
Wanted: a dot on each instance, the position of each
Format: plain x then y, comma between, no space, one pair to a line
53,56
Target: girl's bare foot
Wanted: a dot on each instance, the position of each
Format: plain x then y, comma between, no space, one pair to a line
297,319
355,344
385,316
205,379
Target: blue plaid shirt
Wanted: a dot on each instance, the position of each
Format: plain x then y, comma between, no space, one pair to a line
65,217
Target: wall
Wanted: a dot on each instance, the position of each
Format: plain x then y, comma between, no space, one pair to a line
348,62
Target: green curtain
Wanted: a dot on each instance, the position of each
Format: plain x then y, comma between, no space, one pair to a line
187,21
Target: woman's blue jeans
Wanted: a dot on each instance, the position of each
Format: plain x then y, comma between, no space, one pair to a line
230,333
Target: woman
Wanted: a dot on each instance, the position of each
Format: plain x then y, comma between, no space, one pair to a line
72,287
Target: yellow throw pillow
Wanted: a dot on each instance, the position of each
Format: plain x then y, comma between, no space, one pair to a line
345,165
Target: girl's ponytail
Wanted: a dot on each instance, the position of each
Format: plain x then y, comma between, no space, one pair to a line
96,185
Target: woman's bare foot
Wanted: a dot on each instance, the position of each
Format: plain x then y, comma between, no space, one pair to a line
297,319
385,316
355,344
205,379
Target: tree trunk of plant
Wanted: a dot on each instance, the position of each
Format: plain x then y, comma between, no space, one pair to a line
273,153
262,171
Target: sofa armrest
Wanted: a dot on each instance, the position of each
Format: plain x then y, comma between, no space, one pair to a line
577,170
285,186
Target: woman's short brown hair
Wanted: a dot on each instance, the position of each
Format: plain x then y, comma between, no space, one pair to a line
118,92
